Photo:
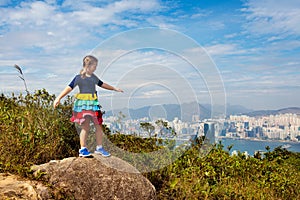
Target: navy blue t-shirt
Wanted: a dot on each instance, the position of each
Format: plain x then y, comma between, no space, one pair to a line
86,85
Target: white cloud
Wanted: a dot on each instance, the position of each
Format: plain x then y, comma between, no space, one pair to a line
60,28
233,35
90,14
154,93
224,49
274,38
200,13
273,17
40,34
125,5
32,13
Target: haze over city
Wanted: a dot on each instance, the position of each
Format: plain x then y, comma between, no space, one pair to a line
252,48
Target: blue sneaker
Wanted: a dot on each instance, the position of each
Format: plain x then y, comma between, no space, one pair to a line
102,152
84,152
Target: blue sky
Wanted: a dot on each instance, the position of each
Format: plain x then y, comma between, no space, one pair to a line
253,45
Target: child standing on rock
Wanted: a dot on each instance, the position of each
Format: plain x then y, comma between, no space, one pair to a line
86,105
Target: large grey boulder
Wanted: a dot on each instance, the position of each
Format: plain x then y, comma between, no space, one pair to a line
96,178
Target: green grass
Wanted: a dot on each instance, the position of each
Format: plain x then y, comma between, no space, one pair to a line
32,132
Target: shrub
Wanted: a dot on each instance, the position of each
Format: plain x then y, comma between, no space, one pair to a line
33,132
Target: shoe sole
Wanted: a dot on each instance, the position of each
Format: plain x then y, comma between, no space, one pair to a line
96,152
85,156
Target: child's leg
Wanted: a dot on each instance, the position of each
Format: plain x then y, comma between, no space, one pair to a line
99,140
99,134
85,128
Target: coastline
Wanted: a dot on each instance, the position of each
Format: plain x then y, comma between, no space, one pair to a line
258,139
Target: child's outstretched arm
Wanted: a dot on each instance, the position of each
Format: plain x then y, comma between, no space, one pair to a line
109,87
66,91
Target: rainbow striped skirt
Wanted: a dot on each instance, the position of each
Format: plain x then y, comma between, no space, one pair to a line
86,106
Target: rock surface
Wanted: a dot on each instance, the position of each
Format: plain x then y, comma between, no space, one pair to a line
16,188
96,178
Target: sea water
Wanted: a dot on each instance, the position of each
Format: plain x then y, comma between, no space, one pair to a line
251,146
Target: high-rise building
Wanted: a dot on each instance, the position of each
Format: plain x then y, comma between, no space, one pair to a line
210,131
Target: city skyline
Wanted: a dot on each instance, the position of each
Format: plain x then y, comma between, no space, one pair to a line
251,46
275,127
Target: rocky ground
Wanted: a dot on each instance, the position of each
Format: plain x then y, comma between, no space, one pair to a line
80,178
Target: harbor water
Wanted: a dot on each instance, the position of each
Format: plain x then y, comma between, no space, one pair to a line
251,146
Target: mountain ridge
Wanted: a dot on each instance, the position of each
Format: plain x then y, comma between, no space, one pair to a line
186,111
256,113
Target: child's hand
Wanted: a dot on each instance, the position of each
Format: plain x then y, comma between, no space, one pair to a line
118,90
56,102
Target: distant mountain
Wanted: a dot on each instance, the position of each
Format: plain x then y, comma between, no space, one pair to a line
183,112
186,111
237,110
257,113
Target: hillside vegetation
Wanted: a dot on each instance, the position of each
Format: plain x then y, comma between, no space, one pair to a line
32,132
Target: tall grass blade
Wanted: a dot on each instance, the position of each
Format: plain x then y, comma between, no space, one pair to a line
19,69
21,76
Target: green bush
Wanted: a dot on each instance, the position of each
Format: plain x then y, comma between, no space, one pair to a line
221,176
32,132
